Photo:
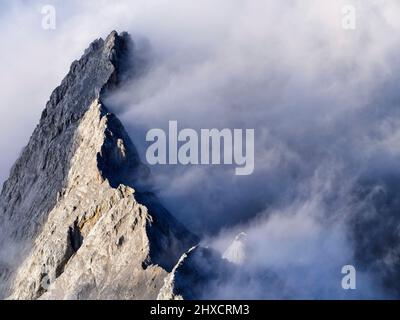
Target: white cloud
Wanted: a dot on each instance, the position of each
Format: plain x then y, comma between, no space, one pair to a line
316,94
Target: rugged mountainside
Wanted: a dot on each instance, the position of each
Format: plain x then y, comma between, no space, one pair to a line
73,224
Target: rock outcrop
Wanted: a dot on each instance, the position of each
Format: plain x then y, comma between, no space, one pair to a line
196,275
74,224
236,252
201,273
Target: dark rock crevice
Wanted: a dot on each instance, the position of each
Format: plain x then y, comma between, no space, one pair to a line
75,237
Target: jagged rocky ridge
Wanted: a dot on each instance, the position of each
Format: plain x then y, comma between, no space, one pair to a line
74,225
197,271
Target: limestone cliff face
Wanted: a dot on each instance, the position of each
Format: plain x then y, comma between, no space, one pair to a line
73,225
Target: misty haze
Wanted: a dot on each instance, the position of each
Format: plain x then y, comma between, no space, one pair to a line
309,196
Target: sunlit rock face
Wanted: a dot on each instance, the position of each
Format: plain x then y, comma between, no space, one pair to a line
236,252
74,224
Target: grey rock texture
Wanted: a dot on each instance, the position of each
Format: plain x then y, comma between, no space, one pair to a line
73,225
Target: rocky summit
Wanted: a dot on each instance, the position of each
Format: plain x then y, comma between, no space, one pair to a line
74,223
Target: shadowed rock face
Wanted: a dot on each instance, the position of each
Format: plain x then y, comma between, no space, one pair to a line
197,271
201,273
72,224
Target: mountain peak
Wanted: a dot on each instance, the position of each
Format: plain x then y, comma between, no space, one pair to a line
98,70
44,162
70,207
236,252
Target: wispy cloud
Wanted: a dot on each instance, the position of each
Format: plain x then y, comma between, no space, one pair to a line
323,102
